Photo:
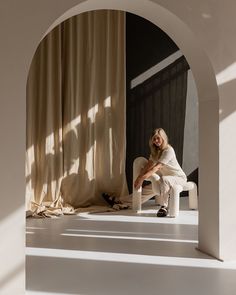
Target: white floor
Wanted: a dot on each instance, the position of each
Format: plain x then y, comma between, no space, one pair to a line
123,253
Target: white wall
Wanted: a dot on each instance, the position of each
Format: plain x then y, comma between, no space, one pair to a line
205,33
190,150
214,27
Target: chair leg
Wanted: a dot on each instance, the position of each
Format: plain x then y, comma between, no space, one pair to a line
136,198
174,201
193,198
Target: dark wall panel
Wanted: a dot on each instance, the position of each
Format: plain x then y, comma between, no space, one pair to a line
160,100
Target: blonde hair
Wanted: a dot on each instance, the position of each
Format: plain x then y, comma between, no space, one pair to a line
156,151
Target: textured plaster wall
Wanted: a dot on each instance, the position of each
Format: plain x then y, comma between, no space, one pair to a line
204,31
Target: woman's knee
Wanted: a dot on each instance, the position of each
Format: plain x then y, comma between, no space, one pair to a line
140,161
166,181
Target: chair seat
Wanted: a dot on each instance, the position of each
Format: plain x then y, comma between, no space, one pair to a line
188,186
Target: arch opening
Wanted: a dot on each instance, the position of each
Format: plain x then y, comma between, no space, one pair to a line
208,103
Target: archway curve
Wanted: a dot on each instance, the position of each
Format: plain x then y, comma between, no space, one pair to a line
208,96
172,25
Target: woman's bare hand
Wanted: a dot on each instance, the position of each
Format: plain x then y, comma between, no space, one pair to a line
138,182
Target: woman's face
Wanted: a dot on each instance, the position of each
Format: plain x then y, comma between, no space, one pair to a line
157,140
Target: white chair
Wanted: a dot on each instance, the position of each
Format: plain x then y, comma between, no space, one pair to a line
173,211
191,187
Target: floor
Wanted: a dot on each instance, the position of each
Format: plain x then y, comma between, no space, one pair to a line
123,253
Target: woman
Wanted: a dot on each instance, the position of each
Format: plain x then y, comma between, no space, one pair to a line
162,161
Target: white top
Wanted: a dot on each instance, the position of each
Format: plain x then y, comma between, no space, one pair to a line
171,166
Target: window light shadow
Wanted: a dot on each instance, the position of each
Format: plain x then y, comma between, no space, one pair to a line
147,216
11,276
12,258
141,234
119,237
155,69
226,75
129,258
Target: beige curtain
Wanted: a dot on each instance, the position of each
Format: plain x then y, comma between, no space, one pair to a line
76,113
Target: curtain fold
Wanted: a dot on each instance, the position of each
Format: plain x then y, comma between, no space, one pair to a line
76,112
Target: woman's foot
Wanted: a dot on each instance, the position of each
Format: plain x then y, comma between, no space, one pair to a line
162,212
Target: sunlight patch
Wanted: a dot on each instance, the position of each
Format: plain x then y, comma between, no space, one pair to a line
130,258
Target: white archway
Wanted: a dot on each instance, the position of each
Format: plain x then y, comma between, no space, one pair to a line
208,104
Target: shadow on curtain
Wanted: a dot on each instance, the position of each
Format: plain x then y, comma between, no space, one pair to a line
76,115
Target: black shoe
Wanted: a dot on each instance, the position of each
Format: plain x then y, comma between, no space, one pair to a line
109,199
162,212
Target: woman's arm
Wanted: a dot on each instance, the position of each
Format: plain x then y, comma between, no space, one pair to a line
148,170
150,164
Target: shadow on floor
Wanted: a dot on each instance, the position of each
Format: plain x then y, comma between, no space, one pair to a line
82,276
